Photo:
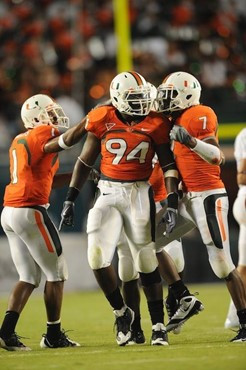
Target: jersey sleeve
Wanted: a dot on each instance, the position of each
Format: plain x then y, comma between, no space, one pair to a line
96,119
203,123
162,127
43,134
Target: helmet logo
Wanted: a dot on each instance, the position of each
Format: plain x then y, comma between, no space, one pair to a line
36,105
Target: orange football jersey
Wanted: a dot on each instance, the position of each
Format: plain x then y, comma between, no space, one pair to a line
158,184
126,150
197,175
31,169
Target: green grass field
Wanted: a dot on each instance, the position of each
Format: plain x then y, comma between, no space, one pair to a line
202,344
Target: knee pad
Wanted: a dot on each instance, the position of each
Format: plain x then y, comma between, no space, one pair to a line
59,271
151,278
94,252
31,279
221,264
103,234
146,260
95,255
175,251
126,269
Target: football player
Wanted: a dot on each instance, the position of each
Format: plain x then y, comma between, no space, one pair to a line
239,212
205,201
127,135
33,239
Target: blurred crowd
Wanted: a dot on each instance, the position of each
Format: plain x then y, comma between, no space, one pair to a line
67,48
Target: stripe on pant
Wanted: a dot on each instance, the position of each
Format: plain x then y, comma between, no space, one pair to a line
45,235
214,218
52,232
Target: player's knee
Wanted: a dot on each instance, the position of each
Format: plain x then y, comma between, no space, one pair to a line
150,278
95,257
126,269
146,260
94,252
175,251
31,279
58,271
222,266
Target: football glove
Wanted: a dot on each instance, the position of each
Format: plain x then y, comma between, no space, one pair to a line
180,134
67,214
170,219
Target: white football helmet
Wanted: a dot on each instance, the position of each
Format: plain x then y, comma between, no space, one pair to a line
41,109
178,91
131,94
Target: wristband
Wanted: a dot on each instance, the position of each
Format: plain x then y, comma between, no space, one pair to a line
171,173
72,194
62,144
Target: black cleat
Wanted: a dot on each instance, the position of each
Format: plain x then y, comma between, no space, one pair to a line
188,306
61,342
159,335
241,335
137,337
123,325
13,343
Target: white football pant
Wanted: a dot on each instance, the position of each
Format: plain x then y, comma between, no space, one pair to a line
239,212
208,212
34,244
122,207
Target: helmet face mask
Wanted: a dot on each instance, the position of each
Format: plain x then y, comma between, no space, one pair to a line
180,90
131,94
41,109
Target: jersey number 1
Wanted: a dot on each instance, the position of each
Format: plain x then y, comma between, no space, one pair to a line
14,169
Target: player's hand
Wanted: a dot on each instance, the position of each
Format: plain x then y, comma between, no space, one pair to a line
67,214
170,219
180,134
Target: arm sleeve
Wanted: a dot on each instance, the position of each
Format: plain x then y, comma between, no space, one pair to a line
45,133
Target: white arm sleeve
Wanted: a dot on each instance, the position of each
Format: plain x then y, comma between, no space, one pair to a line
210,153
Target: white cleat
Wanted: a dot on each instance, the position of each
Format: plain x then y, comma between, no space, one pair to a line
159,335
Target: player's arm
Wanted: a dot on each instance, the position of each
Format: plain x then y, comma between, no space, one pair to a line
168,166
85,161
62,179
241,172
82,168
208,148
171,176
72,136
67,139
